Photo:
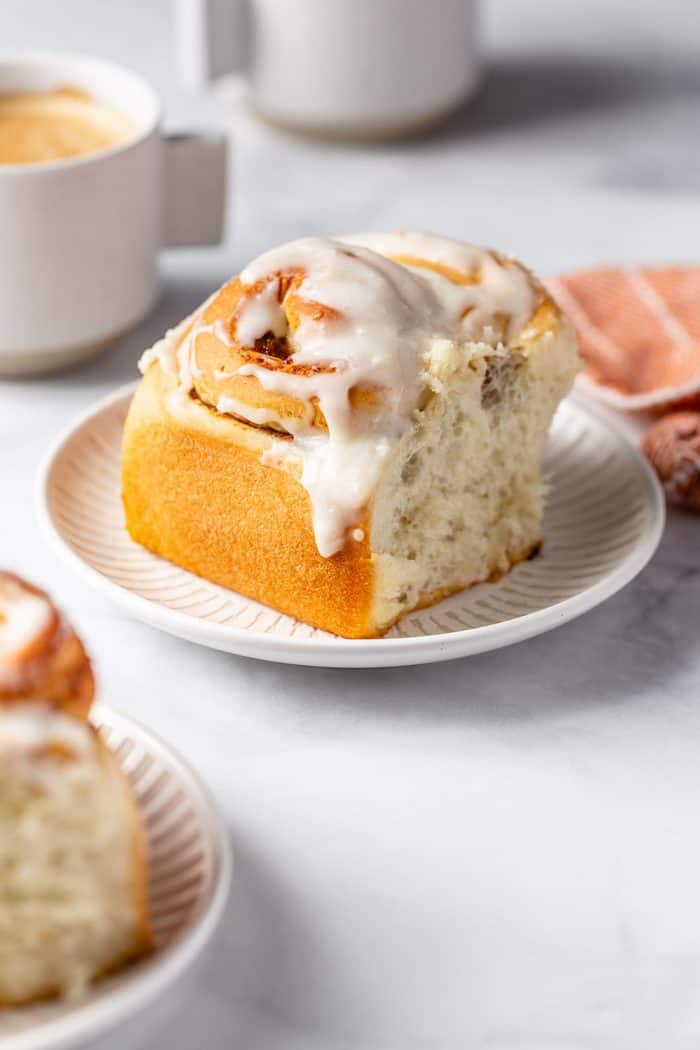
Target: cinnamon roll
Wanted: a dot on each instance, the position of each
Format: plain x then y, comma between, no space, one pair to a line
351,428
72,862
73,902
41,656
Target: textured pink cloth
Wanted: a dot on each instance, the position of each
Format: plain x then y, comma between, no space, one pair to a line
639,331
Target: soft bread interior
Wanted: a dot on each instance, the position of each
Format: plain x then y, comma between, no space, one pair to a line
461,499
71,905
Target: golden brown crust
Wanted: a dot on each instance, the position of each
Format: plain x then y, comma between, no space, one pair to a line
52,665
232,519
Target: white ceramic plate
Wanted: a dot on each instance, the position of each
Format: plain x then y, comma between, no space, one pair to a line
603,521
189,879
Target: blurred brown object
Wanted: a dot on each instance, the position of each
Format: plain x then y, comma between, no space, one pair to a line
673,447
41,656
639,331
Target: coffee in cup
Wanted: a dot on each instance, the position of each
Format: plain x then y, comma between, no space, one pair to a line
41,126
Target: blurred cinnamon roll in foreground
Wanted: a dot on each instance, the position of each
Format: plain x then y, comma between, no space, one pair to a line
41,656
351,428
73,901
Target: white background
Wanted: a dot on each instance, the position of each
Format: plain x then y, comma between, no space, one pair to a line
502,852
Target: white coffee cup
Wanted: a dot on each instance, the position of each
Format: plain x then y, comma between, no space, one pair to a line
81,236
345,68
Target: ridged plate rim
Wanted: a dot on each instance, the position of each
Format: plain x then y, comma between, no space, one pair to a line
128,992
331,651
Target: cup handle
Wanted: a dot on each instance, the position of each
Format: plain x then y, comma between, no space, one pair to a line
195,190
213,39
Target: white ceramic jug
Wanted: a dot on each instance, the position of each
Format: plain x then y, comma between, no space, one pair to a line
337,67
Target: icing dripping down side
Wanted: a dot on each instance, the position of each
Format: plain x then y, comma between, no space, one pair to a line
376,330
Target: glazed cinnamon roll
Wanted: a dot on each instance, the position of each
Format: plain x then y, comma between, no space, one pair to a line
41,656
73,901
351,428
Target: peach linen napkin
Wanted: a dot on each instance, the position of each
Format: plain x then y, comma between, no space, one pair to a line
639,331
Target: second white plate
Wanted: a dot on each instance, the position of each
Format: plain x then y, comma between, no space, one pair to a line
603,521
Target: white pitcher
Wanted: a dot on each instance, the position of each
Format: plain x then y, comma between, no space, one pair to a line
337,67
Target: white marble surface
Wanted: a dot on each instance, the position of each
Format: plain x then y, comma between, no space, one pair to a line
501,852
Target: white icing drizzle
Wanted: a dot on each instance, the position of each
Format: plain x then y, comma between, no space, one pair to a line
385,320
26,728
263,417
174,350
504,286
262,314
23,617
